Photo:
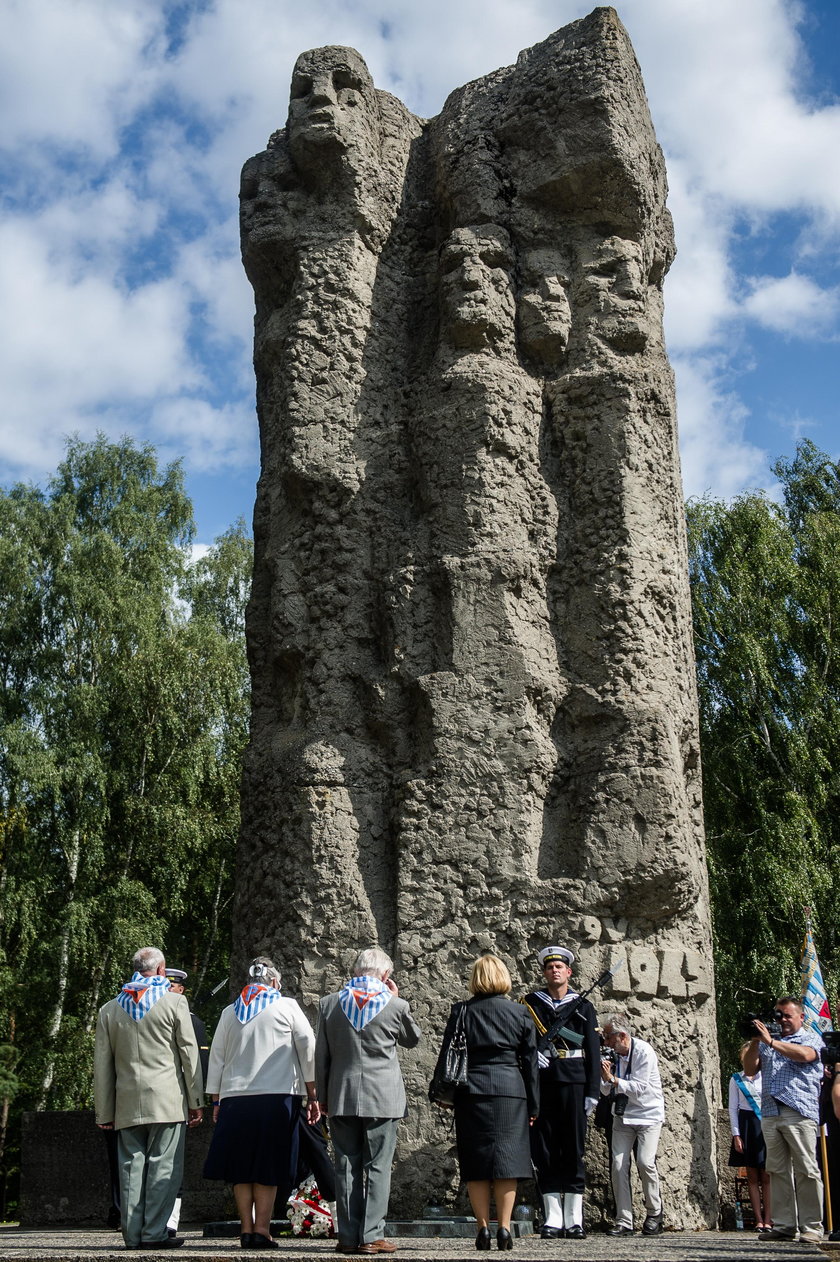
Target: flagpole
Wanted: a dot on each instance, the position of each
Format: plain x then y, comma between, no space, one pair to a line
813,989
826,1181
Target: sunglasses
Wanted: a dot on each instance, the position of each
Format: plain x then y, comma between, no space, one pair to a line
782,1016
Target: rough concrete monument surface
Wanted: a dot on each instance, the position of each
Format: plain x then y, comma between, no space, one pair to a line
474,717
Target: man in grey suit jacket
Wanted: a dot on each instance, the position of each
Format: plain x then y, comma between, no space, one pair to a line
360,1086
147,1081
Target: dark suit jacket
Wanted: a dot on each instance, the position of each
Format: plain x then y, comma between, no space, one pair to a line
501,1049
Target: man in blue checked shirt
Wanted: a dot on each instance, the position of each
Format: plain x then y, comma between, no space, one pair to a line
791,1074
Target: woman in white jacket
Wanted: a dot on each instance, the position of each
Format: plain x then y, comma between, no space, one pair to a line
261,1064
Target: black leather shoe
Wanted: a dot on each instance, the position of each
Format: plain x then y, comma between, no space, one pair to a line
245,1239
575,1233
552,1233
652,1226
621,1231
482,1240
504,1240
259,1241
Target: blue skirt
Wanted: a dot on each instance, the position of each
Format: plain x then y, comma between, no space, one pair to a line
255,1141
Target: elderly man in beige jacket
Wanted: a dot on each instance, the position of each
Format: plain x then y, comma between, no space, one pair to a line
147,1082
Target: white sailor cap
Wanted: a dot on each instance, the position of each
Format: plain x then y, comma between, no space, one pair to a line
176,975
551,953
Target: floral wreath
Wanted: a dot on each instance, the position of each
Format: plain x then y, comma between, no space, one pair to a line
309,1213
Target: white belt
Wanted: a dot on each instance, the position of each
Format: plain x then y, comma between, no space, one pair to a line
577,1054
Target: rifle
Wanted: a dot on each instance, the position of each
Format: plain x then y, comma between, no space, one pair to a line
559,1028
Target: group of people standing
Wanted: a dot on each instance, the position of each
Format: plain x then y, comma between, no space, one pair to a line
774,1108
535,1072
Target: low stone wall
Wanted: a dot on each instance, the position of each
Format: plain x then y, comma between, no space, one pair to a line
64,1173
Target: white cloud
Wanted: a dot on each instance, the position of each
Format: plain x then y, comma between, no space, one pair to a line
73,71
715,456
699,287
123,291
72,343
723,82
209,438
794,305
211,268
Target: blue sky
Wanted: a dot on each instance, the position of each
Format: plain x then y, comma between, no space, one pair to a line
123,306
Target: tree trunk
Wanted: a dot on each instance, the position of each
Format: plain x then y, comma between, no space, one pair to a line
62,972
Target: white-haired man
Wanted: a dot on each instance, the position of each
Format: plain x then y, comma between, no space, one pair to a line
360,1087
147,1083
638,1109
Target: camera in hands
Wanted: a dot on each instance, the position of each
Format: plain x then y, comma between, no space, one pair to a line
746,1025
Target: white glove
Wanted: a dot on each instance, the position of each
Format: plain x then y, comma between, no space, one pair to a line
589,1104
543,1060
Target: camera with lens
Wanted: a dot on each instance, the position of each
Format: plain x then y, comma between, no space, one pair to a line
747,1029
830,1053
608,1054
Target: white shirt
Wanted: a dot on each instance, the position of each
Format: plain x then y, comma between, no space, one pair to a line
272,1054
738,1101
643,1088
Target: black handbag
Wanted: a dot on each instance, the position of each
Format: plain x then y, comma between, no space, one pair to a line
451,1071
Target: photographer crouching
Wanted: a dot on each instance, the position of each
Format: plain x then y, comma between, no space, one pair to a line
788,1055
631,1078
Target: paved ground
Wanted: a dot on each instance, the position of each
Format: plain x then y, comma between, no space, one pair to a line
702,1246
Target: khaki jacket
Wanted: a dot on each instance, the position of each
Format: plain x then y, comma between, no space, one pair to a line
146,1071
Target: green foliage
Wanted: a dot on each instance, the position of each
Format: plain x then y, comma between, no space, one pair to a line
123,715
765,584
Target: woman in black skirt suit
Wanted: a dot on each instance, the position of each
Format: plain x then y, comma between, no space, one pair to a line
262,1062
501,1099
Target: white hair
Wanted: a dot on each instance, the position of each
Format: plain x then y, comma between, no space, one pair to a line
147,960
372,962
618,1023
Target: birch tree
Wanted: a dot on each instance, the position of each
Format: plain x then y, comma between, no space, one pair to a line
123,719
766,597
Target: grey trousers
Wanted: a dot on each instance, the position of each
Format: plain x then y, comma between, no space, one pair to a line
364,1150
151,1165
795,1183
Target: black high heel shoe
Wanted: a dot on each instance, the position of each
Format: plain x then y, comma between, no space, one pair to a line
482,1240
504,1240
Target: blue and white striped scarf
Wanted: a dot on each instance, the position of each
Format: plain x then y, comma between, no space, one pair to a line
140,995
363,998
252,1000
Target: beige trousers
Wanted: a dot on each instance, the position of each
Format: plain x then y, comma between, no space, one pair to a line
646,1139
795,1182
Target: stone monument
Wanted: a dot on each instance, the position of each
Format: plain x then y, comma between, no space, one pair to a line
474,715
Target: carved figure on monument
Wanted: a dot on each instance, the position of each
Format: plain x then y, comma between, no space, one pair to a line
474,718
